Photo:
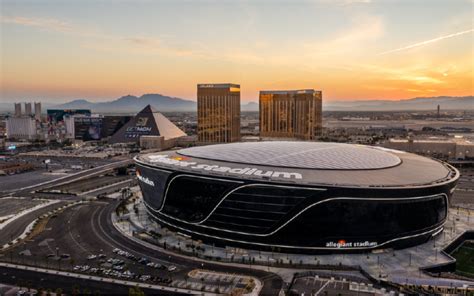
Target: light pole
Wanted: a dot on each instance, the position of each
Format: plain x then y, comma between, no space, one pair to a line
58,258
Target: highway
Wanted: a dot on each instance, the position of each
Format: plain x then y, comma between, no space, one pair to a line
68,179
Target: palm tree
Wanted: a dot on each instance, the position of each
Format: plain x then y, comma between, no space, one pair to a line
186,277
71,262
75,290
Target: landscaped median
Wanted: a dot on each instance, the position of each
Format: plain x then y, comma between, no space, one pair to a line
37,225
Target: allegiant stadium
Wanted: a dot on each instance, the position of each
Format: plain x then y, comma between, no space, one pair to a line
297,196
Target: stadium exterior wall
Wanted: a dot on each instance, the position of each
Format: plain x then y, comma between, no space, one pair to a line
295,218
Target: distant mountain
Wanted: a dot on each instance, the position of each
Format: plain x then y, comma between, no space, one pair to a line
415,104
133,104
250,106
76,104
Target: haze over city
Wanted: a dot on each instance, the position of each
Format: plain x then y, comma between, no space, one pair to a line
352,50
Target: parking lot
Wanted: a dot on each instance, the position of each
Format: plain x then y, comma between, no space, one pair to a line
327,286
120,267
464,194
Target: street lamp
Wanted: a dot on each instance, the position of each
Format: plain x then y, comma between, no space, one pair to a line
58,258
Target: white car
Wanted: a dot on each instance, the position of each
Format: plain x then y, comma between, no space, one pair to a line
172,268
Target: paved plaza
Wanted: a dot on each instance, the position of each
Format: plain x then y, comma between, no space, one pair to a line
399,266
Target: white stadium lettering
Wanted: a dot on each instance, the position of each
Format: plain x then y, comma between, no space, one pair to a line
222,169
145,180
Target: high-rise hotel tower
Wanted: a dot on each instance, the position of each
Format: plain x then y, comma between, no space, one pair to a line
218,113
291,114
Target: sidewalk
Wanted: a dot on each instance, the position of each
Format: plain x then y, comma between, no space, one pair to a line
393,265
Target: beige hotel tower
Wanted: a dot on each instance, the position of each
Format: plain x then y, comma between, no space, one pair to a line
291,114
218,113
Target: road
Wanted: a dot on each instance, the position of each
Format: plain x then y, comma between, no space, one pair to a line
16,227
67,284
102,225
87,229
11,183
69,178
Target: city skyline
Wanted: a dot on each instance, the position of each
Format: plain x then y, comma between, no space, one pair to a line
352,50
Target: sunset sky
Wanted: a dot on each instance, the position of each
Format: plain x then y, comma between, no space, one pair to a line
102,49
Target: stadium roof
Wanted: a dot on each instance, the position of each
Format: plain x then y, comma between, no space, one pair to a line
308,155
307,163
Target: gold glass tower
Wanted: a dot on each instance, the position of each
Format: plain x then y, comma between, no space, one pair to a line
291,114
218,113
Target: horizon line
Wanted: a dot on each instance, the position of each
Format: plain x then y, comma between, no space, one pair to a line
242,101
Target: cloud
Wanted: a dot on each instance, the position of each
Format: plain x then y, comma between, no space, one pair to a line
144,41
427,42
350,2
354,40
345,2
416,75
42,23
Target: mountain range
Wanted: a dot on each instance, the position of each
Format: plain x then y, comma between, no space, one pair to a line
414,104
133,104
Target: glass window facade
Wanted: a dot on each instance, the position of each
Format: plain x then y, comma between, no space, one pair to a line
256,208
192,199
294,114
218,113
152,184
374,220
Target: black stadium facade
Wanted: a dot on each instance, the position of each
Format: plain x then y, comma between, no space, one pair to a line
297,196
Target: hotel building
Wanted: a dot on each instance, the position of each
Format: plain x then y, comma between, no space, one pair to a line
218,113
291,114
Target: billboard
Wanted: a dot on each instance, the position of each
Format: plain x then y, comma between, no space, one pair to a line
56,115
111,124
88,128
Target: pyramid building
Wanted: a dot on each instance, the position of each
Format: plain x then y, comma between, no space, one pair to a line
147,122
